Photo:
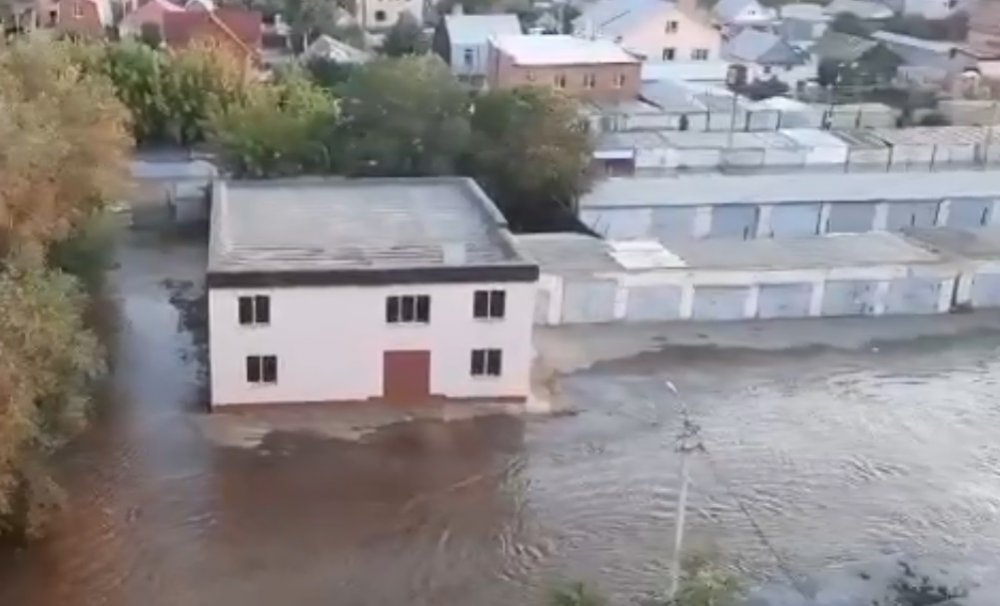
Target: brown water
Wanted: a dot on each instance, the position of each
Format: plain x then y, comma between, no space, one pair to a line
813,460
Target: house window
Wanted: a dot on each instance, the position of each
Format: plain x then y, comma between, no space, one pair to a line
262,369
408,309
619,80
468,56
560,81
78,9
671,27
589,80
669,53
699,54
255,310
486,363
380,16
489,304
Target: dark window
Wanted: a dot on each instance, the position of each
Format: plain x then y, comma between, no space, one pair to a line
489,304
380,16
486,362
255,310
408,308
392,309
478,366
424,309
494,362
262,369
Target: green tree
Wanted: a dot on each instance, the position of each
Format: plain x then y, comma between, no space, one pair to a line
279,129
575,594
405,37
403,117
328,73
705,584
531,152
137,72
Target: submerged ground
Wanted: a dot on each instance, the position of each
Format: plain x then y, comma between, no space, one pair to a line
815,458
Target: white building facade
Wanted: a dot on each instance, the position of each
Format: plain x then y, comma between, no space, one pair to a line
404,313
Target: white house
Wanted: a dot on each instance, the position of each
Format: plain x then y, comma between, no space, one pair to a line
463,41
397,290
652,29
742,12
380,15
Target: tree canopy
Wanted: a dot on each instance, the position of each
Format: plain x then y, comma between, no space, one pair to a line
405,37
403,117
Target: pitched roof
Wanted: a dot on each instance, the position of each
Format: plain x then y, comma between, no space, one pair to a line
804,11
937,46
765,48
860,8
560,50
150,12
328,47
839,46
244,26
732,10
477,29
616,17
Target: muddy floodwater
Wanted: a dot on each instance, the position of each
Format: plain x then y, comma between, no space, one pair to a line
814,458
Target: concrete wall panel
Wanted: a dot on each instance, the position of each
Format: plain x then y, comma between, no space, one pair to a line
986,290
913,296
784,300
790,220
720,302
734,221
652,303
850,217
589,301
673,222
849,297
618,224
970,212
903,215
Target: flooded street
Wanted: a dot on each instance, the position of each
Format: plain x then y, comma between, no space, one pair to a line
813,459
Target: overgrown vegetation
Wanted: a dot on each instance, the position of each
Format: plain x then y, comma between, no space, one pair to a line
64,145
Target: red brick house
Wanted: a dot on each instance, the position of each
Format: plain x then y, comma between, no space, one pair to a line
87,18
235,30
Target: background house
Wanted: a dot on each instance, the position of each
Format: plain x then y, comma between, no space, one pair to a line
984,29
395,290
742,12
595,70
463,41
652,29
89,18
330,49
763,48
149,14
862,9
376,15
802,22
234,30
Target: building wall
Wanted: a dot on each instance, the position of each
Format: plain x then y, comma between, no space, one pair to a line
80,17
710,294
469,60
383,14
651,37
504,73
329,342
787,219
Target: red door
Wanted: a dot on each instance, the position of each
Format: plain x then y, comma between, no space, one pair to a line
406,376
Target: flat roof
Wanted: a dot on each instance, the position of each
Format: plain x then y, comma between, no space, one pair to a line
813,137
934,135
477,29
979,243
721,140
687,190
635,139
807,252
560,50
569,253
359,231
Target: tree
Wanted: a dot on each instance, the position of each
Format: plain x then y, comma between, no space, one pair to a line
405,37
403,117
531,152
150,35
954,27
278,130
328,73
64,145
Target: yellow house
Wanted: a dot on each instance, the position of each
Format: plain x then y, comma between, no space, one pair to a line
655,30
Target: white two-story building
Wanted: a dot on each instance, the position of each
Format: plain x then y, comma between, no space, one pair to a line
397,290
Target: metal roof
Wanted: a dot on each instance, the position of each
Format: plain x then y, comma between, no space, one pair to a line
560,50
477,29
613,18
568,253
300,225
687,190
765,48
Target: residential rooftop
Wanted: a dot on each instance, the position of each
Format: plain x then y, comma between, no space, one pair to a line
560,50
687,190
358,231
477,29
575,254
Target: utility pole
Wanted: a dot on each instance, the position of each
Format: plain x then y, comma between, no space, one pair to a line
688,442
